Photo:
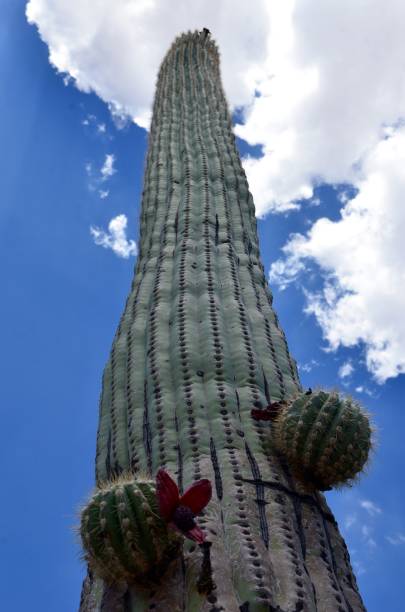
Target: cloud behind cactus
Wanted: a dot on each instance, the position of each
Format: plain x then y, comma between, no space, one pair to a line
321,88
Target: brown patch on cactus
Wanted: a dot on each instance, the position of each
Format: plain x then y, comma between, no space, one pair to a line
270,413
205,583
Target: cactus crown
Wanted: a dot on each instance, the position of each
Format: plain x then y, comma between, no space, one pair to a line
325,438
123,535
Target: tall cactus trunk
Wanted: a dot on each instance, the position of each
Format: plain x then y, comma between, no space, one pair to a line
198,346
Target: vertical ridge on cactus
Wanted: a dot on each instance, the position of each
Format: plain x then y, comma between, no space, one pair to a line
197,347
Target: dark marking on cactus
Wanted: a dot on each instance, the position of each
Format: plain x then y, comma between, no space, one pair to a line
205,583
127,601
297,509
314,594
146,428
300,530
321,486
216,230
117,470
238,404
266,388
306,499
179,457
217,472
108,456
183,580
112,598
176,223
334,564
264,529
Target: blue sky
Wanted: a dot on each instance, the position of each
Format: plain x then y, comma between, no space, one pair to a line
62,298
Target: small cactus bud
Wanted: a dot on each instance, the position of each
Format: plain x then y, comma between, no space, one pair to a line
325,438
139,546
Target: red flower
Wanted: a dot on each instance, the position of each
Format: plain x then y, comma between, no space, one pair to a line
179,512
267,414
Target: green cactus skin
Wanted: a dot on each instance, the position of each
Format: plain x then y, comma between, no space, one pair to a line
198,346
325,438
123,536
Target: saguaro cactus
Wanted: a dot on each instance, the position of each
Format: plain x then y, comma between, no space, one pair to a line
198,346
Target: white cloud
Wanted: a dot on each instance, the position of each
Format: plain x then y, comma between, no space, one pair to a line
97,178
322,109
350,520
316,105
398,539
117,52
371,508
366,532
361,258
363,389
115,238
345,370
358,567
323,104
309,366
108,169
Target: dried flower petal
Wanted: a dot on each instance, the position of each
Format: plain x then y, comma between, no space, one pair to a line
167,494
179,511
197,496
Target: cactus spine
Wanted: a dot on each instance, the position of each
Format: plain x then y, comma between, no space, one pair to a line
198,346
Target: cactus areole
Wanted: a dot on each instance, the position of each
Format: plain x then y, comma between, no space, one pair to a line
197,348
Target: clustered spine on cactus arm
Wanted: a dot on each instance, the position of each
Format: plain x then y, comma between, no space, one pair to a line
325,438
129,528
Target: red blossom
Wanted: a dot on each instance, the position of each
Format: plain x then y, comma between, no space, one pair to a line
179,511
